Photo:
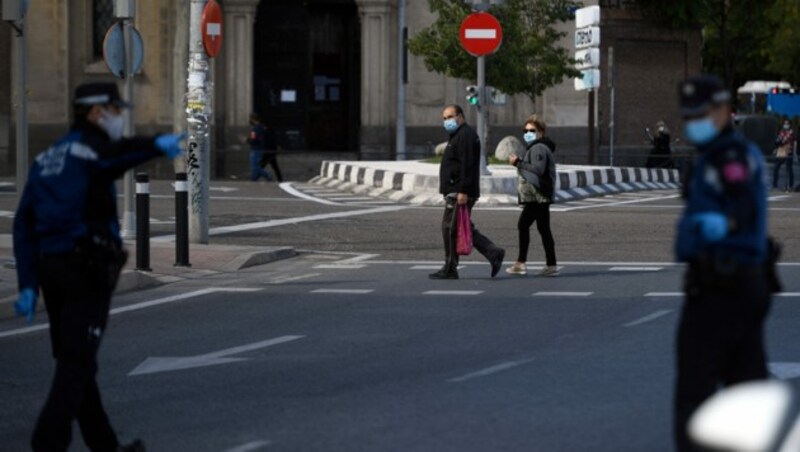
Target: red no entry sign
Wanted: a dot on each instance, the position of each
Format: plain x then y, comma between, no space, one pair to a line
481,34
212,28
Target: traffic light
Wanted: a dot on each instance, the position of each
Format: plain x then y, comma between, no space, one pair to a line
472,95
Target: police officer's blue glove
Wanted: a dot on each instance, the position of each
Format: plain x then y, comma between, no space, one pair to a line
713,226
170,144
26,304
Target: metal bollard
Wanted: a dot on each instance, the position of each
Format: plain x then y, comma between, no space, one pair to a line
181,221
143,222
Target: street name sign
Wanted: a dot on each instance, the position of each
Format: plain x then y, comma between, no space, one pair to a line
587,37
212,28
481,34
587,59
587,44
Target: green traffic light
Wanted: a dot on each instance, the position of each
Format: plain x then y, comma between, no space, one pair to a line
473,100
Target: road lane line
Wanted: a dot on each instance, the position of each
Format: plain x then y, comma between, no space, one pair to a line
138,306
453,292
622,203
288,187
339,266
649,318
563,294
788,294
251,446
489,371
663,294
635,269
344,291
431,267
286,279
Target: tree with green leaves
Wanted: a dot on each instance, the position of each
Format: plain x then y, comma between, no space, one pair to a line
783,46
528,62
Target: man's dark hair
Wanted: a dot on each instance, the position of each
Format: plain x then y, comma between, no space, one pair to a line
457,108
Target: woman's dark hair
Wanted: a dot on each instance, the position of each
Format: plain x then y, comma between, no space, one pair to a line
254,117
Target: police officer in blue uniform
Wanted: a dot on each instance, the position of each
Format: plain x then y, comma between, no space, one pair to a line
722,236
67,243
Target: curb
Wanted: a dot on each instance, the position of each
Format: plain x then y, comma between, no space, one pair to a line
419,189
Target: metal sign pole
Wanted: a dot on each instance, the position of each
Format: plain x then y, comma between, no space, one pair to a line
483,106
22,109
401,82
198,116
611,125
129,214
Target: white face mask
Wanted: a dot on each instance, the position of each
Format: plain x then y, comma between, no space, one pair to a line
113,125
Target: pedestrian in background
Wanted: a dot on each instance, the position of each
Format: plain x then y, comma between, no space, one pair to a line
784,150
459,182
535,188
257,139
722,236
661,153
67,242
270,155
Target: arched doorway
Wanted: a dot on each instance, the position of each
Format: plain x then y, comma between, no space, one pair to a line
306,72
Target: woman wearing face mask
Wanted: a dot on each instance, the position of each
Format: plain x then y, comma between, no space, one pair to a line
537,175
783,154
661,152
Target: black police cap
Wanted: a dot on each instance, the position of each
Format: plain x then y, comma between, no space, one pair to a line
99,94
700,92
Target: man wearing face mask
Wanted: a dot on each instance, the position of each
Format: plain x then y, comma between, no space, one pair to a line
459,182
67,243
722,236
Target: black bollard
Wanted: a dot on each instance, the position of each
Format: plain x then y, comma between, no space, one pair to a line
143,222
181,221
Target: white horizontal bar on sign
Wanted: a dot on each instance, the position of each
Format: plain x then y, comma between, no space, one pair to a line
480,33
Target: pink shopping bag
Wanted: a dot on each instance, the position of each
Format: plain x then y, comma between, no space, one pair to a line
464,231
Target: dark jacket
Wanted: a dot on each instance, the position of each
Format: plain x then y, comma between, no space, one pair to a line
537,163
70,195
460,171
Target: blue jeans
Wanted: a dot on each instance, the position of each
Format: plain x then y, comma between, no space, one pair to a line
256,171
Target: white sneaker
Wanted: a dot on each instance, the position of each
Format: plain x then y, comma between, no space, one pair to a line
550,270
517,269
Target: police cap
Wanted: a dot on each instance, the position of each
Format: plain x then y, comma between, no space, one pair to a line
99,94
699,93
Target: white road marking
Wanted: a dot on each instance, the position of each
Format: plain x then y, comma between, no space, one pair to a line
6,214
788,294
431,267
663,294
339,266
649,318
621,203
453,292
289,188
155,365
778,198
785,371
223,189
352,198
138,306
489,371
251,446
286,279
344,291
563,294
635,269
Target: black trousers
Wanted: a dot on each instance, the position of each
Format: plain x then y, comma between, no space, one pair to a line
449,235
77,297
271,159
540,214
720,342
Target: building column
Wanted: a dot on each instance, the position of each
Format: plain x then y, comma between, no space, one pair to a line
240,16
378,77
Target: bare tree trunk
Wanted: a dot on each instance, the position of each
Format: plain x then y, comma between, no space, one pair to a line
180,53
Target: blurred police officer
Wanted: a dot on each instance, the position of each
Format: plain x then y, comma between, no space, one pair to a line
67,242
722,235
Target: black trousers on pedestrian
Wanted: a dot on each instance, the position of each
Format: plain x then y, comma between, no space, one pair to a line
77,297
449,234
538,213
271,159
788,161
720,342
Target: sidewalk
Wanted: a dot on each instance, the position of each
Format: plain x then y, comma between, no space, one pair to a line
417,182
205,259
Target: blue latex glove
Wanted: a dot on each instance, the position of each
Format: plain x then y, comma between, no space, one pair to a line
26,305
713,226
170,144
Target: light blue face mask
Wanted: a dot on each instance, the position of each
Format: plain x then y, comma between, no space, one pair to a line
530,137
701,131
450,125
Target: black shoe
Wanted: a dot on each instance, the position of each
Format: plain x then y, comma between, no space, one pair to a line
497,261
444,274
136,446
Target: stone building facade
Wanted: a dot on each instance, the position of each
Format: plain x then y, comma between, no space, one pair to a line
323,73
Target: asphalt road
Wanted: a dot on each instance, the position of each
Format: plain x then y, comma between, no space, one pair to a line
350,347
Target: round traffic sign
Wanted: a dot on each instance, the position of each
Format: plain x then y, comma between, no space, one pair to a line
481,34
211,27
114,50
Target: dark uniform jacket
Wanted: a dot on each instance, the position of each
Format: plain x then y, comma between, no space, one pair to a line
70,195
460,171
